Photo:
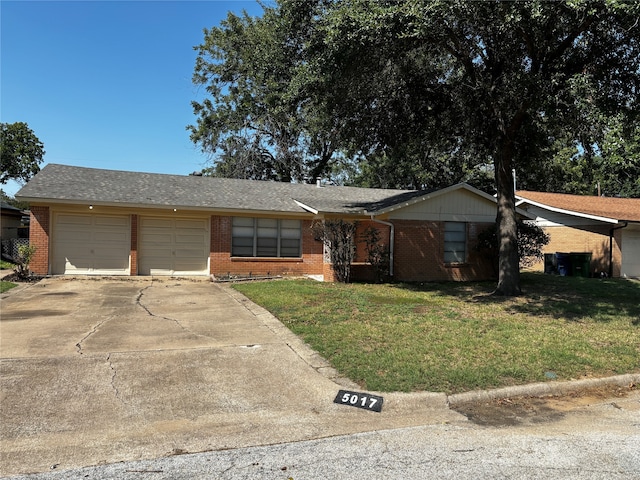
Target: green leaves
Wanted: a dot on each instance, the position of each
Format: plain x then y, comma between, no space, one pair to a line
263,119
21,152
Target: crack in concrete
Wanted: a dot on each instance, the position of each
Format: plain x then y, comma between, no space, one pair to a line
91,332
113,379
151,314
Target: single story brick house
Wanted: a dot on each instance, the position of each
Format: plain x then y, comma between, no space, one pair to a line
87,221
606,227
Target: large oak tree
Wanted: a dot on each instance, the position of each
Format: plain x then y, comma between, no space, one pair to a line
438,86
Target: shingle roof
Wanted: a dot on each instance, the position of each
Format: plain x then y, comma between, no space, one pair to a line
609,207
67,184
10,210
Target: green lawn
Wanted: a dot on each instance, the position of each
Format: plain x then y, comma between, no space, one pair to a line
4,286
4,265
455,337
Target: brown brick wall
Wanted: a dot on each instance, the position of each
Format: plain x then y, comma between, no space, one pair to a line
134,245
221,262
419,254
39,230
593,239
361,246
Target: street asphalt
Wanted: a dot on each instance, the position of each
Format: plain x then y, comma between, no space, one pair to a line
180,378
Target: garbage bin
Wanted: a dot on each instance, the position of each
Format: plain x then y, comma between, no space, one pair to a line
581,264
563,263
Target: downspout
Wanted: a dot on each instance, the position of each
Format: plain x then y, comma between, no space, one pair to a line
611,246
392,231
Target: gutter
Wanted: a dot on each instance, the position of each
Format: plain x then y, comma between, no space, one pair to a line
392,233
626,224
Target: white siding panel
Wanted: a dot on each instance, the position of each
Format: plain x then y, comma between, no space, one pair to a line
456,206
173,246
549,218
85,244
631,252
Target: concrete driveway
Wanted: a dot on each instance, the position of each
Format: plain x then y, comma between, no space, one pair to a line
104,370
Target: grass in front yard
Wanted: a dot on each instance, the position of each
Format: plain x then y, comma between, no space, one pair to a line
455,337
4,265
4,286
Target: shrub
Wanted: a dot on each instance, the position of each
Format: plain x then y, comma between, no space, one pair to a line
531,240
25,254
339,237
378,254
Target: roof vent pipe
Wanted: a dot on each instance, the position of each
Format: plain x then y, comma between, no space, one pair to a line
392,234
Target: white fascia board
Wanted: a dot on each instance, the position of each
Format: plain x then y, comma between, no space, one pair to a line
306,207
567,212
150,207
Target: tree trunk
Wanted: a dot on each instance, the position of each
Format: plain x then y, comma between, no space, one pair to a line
508,261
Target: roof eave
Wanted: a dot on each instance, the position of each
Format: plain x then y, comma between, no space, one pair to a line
566,212
126,205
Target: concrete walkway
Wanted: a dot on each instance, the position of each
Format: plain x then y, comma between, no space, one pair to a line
4,273
97,371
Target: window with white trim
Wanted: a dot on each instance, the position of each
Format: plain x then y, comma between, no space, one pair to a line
455,242
265,237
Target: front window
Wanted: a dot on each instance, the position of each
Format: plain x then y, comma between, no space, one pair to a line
265,237
455,242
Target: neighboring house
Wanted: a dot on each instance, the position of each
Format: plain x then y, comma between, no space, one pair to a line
606,227
14,230
11,221
105,222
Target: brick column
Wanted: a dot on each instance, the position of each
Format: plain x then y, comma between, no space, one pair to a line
39,237
133,268
220,245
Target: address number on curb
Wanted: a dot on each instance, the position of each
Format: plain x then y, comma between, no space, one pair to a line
360,400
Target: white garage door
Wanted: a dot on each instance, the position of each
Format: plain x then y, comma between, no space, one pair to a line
90,244
173,246
631,252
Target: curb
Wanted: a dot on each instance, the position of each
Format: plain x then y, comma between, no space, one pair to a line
542,389
433,399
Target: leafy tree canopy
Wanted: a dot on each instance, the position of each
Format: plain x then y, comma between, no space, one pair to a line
21,152
412,93
255,123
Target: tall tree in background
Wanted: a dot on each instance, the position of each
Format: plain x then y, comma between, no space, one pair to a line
619,161
420,91
21,152
502,78
255,123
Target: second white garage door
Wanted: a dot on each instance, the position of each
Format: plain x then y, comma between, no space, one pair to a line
631,252
173,246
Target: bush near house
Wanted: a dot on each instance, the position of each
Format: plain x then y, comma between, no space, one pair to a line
531,241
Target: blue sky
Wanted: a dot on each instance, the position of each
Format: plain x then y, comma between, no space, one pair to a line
107,84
